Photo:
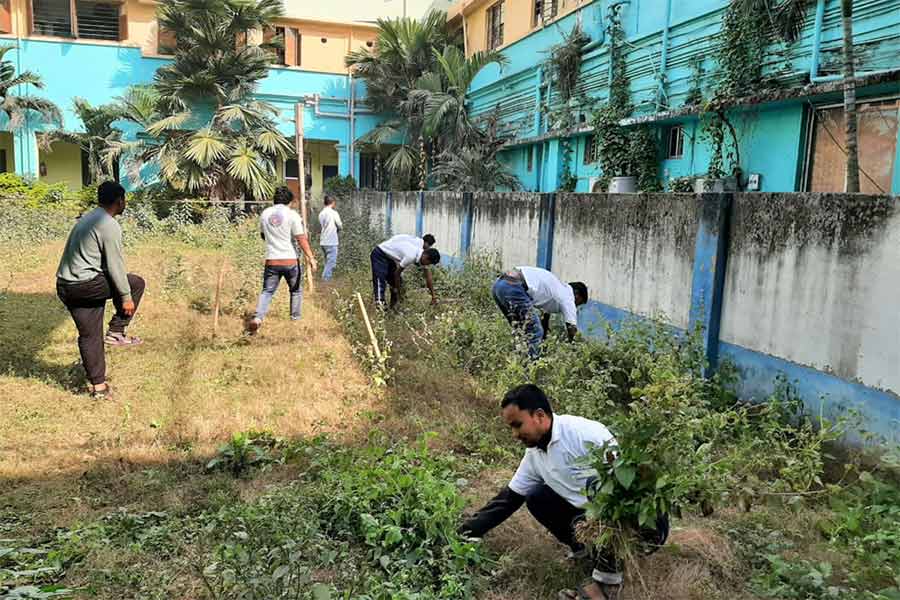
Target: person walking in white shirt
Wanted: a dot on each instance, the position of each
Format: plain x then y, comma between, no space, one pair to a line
392,256
279,227
519,291
554,482
331,225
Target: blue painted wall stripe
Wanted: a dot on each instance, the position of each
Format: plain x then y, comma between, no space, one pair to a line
420,214
546,226
708,281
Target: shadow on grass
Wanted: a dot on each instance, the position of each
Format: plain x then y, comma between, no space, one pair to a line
29,321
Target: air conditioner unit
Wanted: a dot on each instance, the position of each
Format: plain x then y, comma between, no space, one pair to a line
594,186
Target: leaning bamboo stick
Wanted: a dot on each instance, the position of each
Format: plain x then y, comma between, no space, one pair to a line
217,303
365,314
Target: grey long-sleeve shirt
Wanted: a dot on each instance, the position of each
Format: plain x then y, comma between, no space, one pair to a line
95,247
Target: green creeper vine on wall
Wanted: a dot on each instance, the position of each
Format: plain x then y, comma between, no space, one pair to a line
620,151
743,51
563,65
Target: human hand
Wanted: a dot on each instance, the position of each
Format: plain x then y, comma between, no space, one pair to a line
128,308
313,264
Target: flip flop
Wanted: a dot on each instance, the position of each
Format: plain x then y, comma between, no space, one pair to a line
120,339
580,594
104,394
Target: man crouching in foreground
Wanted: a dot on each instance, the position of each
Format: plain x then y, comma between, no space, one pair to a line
553,481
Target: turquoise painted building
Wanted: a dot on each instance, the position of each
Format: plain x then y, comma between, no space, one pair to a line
789,132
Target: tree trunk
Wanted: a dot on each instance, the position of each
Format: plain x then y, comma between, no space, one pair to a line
850,116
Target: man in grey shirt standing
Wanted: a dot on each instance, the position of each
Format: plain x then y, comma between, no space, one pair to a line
92,271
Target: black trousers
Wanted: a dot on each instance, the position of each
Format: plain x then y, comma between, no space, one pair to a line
383,269
559,517
86,302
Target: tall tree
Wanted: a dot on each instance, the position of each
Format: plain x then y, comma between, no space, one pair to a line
209,134
850,114
17,106
403,53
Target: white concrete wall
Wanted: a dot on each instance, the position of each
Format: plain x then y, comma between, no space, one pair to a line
634,252
403,216
817,282
507,223
442,219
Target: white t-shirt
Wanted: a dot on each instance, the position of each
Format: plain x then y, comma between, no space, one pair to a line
330,222
550,294
405,249
560,467
280,224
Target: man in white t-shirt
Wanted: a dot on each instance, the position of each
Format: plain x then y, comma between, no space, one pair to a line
519,291
554,480
280,226
331,225
392,256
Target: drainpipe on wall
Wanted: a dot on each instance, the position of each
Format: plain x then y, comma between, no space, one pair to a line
660,92
352,126
537,100
814,76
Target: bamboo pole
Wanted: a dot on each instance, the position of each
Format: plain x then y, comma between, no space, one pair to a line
365,314
217,303
301,173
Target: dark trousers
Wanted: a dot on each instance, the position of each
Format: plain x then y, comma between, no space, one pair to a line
87,302
383,269
559,517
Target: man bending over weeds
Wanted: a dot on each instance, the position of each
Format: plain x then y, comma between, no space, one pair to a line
520,291
392,256
554,480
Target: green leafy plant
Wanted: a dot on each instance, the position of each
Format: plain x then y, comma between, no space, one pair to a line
243,452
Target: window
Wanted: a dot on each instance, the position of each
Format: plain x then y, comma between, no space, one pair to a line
367,171
676,142
877,126
590,150
5,16
495,26
291,169
165,41
529,158
92,20
278,34
545,11
297,46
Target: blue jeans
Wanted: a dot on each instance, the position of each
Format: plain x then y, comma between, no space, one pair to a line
518,308
271,278
331,253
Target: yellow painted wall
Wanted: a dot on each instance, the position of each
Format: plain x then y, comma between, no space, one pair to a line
63,164
143,32
321,154
6,143
518,15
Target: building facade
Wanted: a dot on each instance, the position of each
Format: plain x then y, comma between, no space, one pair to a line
96,50
788,134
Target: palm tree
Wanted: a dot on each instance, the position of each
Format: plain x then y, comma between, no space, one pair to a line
476,167
403,53
208,134
16,107
443,95
98,138
850,116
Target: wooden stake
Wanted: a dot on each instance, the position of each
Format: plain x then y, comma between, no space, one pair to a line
301,173
365,314
217,303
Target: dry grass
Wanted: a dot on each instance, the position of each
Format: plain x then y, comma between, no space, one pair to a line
177,397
